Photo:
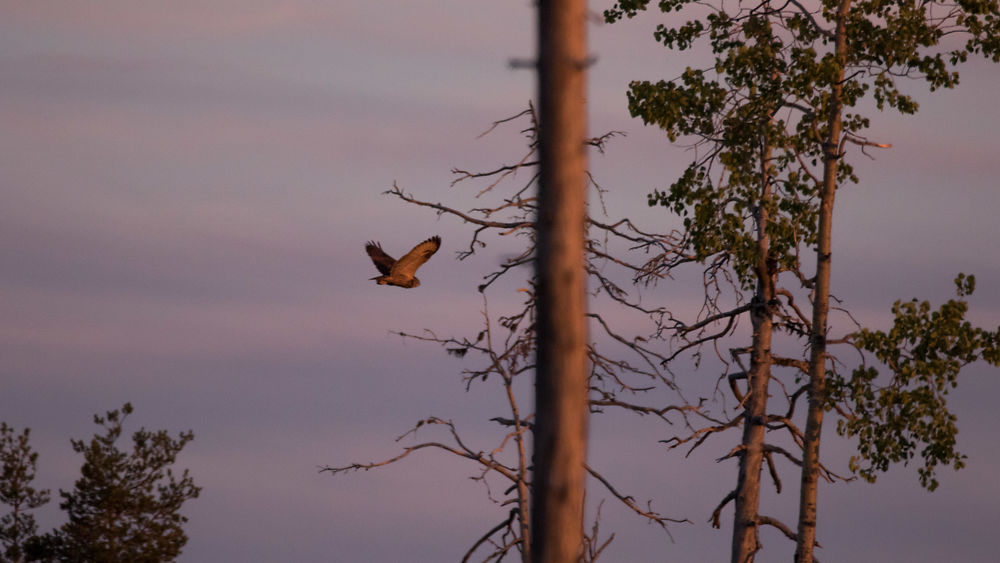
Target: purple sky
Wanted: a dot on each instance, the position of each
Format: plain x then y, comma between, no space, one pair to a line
187,188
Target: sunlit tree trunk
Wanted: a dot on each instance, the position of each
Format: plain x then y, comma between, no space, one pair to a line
806,539
747,502
560,436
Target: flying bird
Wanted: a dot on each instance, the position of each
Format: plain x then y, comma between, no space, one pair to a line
400,272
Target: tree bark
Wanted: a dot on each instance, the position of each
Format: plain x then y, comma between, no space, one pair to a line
747,503
561,388
806,540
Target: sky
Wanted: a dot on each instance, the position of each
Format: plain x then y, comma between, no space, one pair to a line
187,188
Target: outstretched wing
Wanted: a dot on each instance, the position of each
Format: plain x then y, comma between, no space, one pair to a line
406,266
382,260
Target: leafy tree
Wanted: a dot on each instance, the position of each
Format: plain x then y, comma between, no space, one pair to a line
924,352
126,505
776,111
752,218
17,472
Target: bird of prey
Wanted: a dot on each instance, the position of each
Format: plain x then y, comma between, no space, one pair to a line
400,272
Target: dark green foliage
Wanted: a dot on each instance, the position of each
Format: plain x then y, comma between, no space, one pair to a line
770,87
126,505
17,472
759,117
923,353
758,158
771,120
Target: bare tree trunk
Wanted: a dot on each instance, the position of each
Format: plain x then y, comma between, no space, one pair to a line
821,304
745,521
561,388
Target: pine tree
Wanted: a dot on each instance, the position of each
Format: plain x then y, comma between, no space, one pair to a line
126,505
17,472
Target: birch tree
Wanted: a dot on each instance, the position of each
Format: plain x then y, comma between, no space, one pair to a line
789,80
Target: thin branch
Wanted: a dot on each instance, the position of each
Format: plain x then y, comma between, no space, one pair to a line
819,29
396,191
485,537
630,502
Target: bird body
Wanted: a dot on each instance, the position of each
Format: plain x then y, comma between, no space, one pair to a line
400,272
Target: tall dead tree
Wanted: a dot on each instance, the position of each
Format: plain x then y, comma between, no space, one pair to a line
561,385
623,366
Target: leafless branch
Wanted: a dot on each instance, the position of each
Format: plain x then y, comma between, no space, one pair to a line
714,519
768,521
398,192
629,501
506,524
